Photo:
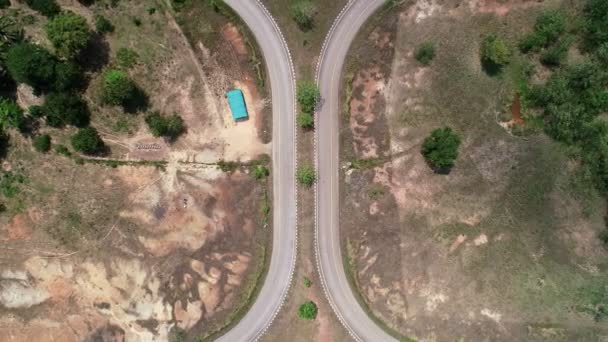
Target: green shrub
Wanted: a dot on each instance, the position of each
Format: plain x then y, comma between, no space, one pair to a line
48,8
165,126
440,149
151,10
103,25
306,175
117,88
42,143
66,109
227,166
126,58
604,236
88,141
36,111
11,32
549,26
303,13
260,172
136,21
308,310
494,53
9,183
61,149
425,53
69,33
306,120
555,55
5,4
307,282
308,94
11,115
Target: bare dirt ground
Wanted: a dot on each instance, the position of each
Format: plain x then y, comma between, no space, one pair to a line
503,248
130,253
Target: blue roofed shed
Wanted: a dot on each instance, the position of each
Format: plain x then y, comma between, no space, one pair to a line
237,104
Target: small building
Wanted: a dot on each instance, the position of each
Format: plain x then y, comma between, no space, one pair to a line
236,100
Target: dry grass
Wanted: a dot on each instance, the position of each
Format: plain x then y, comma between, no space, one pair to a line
505,247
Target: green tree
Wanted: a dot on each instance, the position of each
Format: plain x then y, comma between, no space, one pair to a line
117,88
308,310
42,143
88,141
495,53
66,109
306,120
48,8
425,53
126,58
306,175
165,126
308,95
303,13
103,25
68,76
440,149
69,33
5,4
11,115
30,64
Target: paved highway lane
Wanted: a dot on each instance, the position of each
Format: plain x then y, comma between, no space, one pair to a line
329,256
282,262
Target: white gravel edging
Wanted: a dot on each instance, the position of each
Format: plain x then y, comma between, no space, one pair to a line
295,153
317,251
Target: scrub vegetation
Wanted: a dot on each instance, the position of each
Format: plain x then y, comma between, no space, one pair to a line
512,240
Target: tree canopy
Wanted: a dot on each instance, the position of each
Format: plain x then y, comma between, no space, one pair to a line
440,149
88,141
30,64
308,95
303,13
117,88
165,126
48,8
308,310
69,33
63,109
495,53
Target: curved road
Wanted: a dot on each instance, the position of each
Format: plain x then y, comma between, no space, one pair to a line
282,262
329,257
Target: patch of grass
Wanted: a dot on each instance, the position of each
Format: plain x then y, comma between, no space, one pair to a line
366,164
10,183
376,191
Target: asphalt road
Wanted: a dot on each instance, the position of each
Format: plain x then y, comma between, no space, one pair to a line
329,256
282,262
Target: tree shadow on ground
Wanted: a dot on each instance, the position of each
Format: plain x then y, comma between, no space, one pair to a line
139,102
96,55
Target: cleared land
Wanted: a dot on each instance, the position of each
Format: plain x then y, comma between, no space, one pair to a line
506,246
157,237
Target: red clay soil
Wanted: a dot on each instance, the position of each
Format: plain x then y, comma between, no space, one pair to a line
516,110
